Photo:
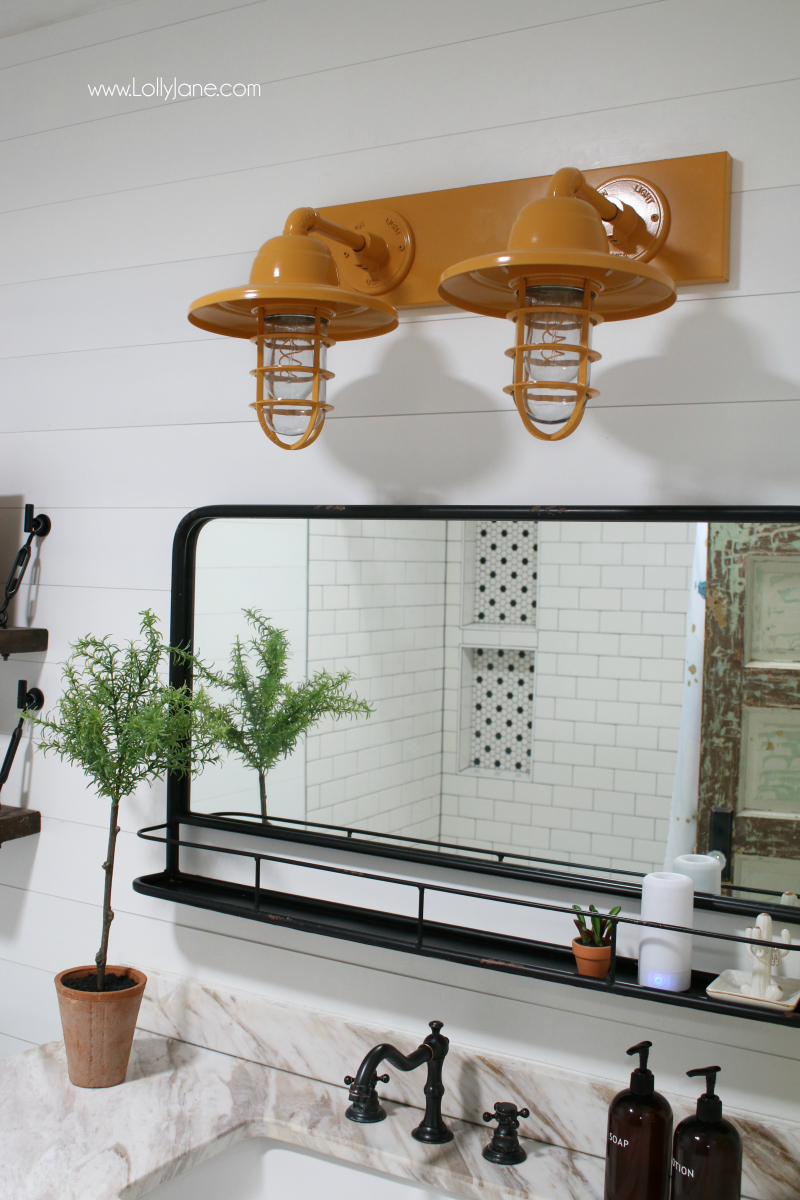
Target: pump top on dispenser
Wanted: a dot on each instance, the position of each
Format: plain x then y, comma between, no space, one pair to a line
639,1138
707,1151
643,1081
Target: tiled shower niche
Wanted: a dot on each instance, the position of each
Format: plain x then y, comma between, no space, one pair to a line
500,574
496,710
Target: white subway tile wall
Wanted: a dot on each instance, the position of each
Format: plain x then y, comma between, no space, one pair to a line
609,655
376,608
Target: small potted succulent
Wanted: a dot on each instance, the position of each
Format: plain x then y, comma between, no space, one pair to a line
592,949
120,722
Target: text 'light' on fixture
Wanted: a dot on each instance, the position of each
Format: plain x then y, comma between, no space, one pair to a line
294,308
574,258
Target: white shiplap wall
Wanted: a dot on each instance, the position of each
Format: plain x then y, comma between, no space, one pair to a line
118,416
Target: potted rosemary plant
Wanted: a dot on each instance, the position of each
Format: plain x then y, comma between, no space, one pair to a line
125,727
592,948
267,715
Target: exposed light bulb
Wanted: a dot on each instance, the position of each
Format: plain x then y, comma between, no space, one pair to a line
289,358
555,357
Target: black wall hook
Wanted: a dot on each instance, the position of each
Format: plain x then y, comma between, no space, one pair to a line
28,700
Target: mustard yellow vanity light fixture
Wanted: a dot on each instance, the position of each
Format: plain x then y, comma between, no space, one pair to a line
583,248
294,309
557,279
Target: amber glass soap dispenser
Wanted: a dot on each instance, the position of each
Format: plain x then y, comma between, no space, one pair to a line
707,1154
639,1142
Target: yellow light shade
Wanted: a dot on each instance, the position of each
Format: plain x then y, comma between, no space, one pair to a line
293,273
558,239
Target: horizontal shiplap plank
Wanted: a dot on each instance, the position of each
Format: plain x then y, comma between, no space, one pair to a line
76,552
186,234
9,1046
272,43
664,454
107,24
146,299
206,207
488,130
720,351
29,1009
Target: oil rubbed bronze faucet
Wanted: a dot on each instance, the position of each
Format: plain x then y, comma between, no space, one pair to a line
365,1107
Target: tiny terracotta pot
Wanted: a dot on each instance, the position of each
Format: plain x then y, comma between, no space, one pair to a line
591,960
98,1027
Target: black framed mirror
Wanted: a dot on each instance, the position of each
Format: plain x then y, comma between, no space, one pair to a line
527,670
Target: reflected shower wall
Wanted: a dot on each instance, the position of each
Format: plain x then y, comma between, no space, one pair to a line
376,608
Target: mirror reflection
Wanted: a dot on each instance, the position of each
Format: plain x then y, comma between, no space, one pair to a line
557,689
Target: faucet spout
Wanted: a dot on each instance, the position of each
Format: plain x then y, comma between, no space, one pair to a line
366,1108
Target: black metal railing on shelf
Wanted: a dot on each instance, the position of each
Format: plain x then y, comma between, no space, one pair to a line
488,852
425,927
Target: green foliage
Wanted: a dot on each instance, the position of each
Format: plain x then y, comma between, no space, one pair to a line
124,726
121,723
598,931
267,715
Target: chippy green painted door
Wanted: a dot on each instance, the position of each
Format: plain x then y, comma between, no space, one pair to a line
750,748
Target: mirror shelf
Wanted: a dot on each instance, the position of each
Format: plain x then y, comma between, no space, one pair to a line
530,685
414,932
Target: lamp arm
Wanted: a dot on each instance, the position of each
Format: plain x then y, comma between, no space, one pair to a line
569,181
370,249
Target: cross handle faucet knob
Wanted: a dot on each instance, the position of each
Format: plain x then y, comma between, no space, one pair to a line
504,1148
506,1114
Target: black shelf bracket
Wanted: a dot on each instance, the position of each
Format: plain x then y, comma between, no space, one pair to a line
23,640
19,822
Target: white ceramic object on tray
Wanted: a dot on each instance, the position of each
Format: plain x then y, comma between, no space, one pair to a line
764,985
728,987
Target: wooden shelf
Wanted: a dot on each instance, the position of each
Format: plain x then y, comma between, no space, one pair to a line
22,641
18,822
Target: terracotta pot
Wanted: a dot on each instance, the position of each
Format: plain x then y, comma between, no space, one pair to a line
98,1027
591,960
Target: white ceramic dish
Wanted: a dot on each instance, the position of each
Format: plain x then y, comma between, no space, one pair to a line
728,987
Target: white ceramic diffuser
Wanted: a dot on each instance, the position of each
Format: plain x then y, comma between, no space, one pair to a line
665,958
704,870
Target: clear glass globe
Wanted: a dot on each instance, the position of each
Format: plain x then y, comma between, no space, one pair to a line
556,359
286,348
289,422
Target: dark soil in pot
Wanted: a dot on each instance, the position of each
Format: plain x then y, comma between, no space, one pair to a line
88,983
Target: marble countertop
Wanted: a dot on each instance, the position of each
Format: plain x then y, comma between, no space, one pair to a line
182,1104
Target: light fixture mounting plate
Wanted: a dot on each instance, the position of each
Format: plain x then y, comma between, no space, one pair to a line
466,222
648,202
399,237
